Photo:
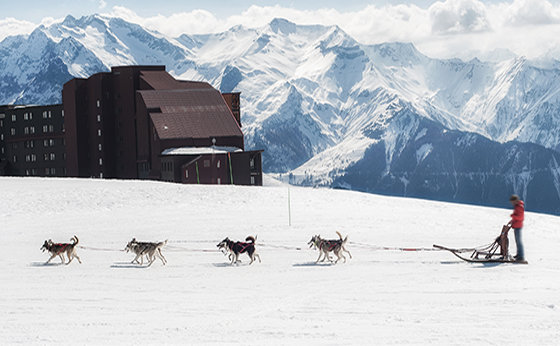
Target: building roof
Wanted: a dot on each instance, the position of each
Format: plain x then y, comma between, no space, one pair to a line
190,113
200,150
161,80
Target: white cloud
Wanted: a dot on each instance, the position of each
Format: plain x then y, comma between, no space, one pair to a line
102,4
532,12
12,26
458,16
447,28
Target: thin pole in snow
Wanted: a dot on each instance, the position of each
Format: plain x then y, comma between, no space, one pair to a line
289,208
230,169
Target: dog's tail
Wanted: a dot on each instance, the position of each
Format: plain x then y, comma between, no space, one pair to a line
340,236
251,239
75,240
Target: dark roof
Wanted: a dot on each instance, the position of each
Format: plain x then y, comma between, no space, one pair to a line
190,113
161,80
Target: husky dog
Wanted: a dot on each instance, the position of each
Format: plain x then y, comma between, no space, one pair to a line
235,248
138,249
325,246
58,249
148,249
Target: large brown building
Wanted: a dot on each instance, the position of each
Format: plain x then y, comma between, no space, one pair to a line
32,141
124,124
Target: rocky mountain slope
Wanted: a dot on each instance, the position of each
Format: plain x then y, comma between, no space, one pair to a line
331,111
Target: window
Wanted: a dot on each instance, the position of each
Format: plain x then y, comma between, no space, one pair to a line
33,171
98,104
52,156
30,116
252,180
45,128
25,116
100,162
45,115
14,159
50,115
1,123
98,118
13,131
53,171
13,117
100,147
1,136
62,113
186,174
31,144
47,171
206,163
218,164
219,181
51,127
46,157
32,129
33,158
26,130
27,158
252,162
2,150
45,143
27,172
99,133
51,142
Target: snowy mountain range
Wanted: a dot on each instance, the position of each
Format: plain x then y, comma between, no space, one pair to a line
331,111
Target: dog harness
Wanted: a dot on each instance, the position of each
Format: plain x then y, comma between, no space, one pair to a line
64,246
244,246
332,244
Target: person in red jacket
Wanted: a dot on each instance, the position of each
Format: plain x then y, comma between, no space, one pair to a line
517,224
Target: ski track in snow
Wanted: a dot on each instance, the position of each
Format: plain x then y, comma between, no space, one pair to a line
378,297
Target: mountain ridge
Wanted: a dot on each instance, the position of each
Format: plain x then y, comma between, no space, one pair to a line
321,104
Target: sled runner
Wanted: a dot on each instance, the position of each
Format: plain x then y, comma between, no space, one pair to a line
487,253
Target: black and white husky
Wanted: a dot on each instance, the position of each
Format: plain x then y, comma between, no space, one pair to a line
325,246
235,248
58,249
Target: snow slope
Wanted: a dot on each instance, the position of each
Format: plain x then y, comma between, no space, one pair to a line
378,297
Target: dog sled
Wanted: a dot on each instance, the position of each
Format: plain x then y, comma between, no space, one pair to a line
496,252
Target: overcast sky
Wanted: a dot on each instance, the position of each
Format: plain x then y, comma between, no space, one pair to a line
444,28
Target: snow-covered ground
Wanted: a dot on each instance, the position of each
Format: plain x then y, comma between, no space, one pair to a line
378,297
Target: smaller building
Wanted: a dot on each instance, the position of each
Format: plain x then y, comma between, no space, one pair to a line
32,141
212,165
